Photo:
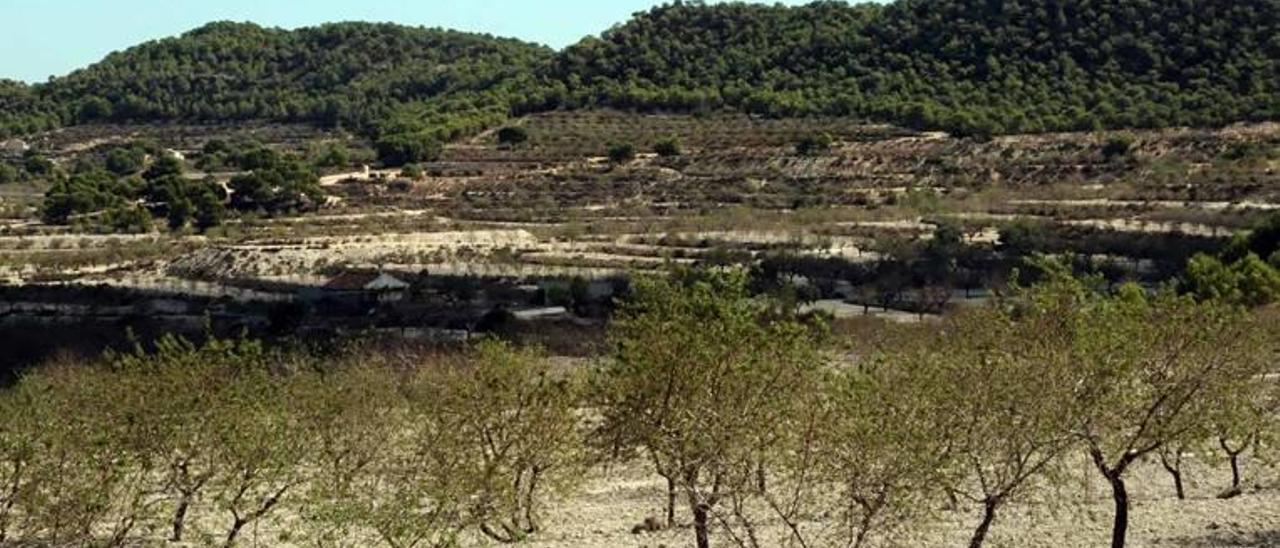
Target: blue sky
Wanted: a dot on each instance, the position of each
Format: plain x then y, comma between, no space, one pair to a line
43,38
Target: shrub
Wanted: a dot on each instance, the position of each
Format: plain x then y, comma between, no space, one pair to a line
621,154
1117,147
9,174
125,161
404,148
411,171
512,135
668,148
813,145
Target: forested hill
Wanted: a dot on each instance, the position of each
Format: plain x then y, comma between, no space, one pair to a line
354,74
967,65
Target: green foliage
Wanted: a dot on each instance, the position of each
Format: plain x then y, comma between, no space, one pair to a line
83,193
331,75
729,397
288,186
1247,282
622,153
1239,274
1263,240
702,379
125,161
966,66
1150,369
9,173
814,144
1025,66
405,148
515,421
412,171
205,442
127,219
209,203
333,155
513,135
37,165
1117,147
23,110
668,148
165,166
1024,237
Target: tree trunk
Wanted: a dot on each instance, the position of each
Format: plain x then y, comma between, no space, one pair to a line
700,529
1234,457
1175,470
235,532
869,512
988,516
671,503
180,518
1235,472
1121,496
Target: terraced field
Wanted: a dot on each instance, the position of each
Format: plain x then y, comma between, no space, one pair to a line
739,192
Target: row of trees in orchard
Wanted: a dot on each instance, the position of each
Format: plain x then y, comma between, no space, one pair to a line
206,443
739,411
765,431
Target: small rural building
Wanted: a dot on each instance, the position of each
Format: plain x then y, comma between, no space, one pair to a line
380,285
541,313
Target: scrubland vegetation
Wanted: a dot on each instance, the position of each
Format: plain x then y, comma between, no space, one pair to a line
753,414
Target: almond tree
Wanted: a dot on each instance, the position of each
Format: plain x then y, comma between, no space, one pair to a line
514,427
94,465
1152,368
180,384
705,383
1243,417
258,449
1172,456
885,448
1007,391
23,415
374,470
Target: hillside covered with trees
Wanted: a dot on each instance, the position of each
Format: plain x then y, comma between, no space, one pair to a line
405,85
974,66
966,66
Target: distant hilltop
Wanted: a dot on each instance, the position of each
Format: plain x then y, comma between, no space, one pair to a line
969,67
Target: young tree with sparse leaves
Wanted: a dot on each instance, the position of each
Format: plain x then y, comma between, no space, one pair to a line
703,382
1152,369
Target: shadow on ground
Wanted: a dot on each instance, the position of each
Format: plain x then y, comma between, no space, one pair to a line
1229,539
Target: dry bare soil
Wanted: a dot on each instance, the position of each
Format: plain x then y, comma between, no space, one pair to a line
1077,515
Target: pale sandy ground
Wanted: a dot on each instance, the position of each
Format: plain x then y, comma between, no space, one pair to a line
1076,515
1079,515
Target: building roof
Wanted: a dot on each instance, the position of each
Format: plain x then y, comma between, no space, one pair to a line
366,281
540,313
